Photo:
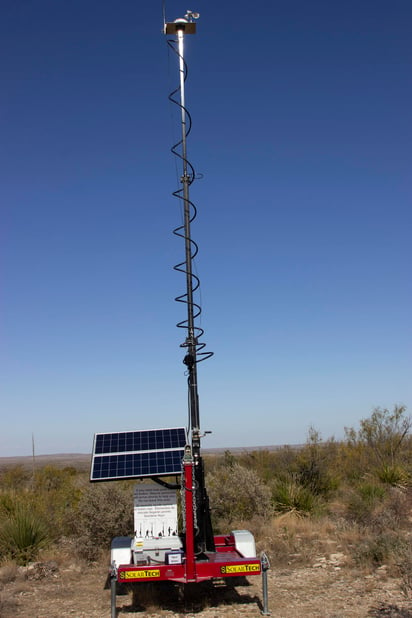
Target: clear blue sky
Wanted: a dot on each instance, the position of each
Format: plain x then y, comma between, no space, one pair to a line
302,130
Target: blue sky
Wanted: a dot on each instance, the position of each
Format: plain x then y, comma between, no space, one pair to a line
302,132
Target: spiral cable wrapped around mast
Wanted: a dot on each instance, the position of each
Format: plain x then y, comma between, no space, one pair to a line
195,351
188,177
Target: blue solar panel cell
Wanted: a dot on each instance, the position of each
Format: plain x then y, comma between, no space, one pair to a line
140,440
136,454
108,467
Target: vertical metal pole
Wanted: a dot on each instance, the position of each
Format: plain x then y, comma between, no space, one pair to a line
113,586
264,560
201,528
191,338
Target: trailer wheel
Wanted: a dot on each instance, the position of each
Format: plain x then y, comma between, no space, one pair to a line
113,590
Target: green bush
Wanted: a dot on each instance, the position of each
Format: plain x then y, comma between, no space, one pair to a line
14,477
363,501
384,436
103,512
22,534
237,493
56,496
7,503
379,549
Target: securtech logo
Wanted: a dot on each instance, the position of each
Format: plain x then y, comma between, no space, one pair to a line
239,568
141,574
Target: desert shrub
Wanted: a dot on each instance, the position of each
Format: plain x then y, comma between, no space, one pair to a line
392,514
314,465
363,501
404,564
7,503
212,461
14,478
375,550
261,461
283,459
103,512
315,462
237,493
52,493
229,460
23,533
393,474
354,461
215,462
317,479
269,464
55,495
290,495
51,478
400,505
384,436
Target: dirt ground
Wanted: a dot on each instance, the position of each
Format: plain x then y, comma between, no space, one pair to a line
321,590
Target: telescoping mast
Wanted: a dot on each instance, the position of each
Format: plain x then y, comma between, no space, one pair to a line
161,549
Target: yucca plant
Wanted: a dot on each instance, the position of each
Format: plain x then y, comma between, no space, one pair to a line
394,475
22,534
290,495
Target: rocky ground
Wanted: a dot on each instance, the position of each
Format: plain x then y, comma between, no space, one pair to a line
325,589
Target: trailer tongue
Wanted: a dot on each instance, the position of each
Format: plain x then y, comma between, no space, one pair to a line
161,550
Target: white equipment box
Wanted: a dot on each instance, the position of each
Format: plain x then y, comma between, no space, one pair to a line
245,543
155,523
120,551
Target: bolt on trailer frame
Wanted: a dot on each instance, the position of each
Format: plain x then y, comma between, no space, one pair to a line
160,552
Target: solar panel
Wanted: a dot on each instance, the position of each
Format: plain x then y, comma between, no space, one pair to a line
136,454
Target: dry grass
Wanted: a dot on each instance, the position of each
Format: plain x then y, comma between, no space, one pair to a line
66,552
290,538
8,604
404,568
8,572
12,584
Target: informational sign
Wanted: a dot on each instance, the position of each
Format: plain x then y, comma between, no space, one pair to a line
155,512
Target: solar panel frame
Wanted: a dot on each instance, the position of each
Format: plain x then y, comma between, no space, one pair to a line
137,454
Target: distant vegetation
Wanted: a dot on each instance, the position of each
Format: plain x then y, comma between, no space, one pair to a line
354,495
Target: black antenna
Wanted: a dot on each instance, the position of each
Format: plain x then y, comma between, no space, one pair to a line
194,353
194,349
